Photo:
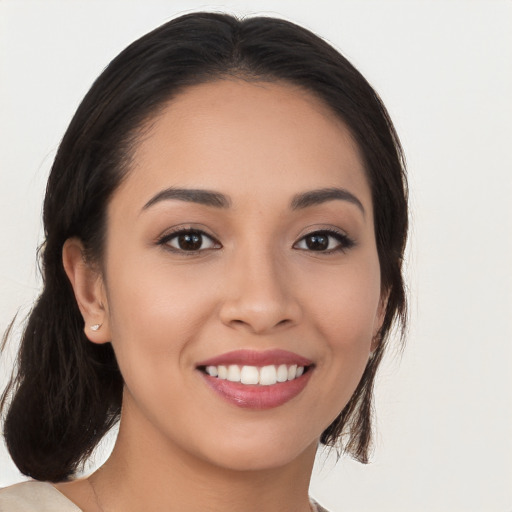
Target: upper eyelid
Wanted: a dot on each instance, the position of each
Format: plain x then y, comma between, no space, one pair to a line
328,232
331,231
165,239
346,242
311,230
185,228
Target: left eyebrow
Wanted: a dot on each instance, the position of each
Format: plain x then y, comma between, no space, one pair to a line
322,195
205,197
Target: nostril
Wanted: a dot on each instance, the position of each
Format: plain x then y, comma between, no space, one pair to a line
259,313
256,327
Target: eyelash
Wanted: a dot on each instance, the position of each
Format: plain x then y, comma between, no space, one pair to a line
344,242
167,238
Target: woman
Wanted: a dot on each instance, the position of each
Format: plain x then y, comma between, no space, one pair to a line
225,222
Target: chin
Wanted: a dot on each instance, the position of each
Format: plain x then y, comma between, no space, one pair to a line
262,452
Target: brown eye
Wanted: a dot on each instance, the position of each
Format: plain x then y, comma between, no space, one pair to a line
189,240
324,241
317,242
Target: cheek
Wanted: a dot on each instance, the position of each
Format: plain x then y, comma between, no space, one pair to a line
347,303
346,314
155,312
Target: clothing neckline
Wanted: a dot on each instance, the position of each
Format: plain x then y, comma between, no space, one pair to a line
314,505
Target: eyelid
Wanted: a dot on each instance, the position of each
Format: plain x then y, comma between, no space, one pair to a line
185,227
345,242
174,232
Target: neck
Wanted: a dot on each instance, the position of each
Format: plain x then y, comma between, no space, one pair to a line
146,472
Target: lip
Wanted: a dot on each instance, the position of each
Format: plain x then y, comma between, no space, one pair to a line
257,358
255,396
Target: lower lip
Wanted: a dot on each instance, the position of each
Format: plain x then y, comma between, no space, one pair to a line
258,397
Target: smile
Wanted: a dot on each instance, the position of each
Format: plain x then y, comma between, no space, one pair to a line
257,380
252,375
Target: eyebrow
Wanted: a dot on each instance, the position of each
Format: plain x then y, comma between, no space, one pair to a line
191,195
218,200
322,195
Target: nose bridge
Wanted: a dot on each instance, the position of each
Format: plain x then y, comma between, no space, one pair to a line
258,294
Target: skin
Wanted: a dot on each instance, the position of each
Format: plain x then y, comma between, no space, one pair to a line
253,285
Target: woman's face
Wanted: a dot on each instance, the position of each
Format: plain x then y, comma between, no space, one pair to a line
242,238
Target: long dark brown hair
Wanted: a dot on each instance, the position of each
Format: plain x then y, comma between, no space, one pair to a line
66,392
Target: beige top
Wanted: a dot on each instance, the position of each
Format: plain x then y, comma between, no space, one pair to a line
36,496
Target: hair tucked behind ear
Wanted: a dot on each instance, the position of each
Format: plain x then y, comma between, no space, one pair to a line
67,391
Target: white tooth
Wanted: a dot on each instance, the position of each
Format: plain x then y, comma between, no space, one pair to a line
222,372
292,372
212,370
233,373
300,371
249,375
268,375
282,373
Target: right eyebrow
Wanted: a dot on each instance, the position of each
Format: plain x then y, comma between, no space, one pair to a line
191,195
322,195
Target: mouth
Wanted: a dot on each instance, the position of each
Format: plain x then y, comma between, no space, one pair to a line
254,375
257,380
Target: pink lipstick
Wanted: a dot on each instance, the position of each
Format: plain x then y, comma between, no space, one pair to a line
255,379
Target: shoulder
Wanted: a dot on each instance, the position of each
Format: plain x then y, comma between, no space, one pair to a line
34,497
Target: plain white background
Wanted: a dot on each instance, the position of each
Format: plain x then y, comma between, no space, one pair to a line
444,70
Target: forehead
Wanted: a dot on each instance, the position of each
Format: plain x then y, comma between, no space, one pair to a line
247,138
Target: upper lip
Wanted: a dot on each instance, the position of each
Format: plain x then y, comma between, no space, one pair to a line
257,358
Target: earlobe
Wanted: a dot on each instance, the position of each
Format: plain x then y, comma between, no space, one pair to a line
89,291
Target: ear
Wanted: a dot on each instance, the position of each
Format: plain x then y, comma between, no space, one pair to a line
379,320
88,286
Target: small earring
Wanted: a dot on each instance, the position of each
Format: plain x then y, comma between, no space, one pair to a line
96,327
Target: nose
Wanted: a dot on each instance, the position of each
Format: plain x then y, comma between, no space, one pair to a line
258,295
